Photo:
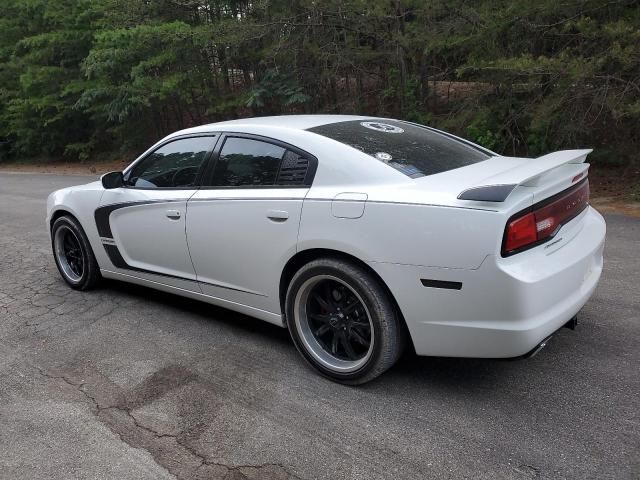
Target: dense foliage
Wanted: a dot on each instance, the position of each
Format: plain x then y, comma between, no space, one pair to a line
519,76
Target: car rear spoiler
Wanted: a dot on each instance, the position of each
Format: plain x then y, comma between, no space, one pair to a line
498,187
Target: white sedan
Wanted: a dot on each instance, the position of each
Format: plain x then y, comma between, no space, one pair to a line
360,235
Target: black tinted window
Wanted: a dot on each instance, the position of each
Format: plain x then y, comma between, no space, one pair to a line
413,150
247,162
175,164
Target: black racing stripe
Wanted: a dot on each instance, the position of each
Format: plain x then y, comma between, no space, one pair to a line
116,258
441,284
101,214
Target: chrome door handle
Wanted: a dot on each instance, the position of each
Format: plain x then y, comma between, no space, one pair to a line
277,215
173,214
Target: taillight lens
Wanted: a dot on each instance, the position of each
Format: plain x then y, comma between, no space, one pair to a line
542,221
520,232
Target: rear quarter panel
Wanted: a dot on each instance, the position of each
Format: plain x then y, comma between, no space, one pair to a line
401,233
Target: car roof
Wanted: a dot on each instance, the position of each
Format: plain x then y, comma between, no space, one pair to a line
294,122
341,168
342,164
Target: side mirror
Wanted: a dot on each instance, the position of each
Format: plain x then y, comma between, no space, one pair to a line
112,180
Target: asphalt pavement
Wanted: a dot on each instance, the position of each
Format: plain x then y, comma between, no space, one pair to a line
124,382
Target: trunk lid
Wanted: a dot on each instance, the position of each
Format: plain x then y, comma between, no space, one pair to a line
505,183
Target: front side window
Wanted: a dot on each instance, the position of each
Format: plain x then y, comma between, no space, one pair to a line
411,149
248,162
173,165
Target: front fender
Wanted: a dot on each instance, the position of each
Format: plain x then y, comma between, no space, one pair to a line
80,201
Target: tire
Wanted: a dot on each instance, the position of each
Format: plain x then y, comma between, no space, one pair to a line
73,254
314,324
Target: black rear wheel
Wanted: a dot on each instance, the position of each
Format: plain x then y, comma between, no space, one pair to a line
343,321
334,323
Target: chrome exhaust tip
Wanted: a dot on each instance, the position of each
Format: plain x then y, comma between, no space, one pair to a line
539,347
571,324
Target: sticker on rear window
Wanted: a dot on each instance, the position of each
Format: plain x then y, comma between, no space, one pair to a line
384,156
382,127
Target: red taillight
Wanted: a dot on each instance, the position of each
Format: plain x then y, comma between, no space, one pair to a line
540,224
520,232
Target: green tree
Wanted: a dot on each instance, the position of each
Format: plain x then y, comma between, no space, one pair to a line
42,46
521,77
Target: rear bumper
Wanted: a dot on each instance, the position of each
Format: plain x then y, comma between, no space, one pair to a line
507,306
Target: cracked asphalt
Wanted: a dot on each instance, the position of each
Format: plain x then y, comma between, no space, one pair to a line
127,383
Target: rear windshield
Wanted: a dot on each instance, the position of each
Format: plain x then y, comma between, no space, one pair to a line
413,150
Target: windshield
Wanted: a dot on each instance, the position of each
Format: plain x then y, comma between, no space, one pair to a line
414,150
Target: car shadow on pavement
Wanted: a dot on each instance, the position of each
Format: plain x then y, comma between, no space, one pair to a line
462,375
203,310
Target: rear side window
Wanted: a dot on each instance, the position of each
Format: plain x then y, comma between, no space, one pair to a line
247,162
413,150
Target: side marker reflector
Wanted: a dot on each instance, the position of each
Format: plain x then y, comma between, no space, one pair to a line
441,284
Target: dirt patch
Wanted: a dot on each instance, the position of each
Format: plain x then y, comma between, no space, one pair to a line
615,205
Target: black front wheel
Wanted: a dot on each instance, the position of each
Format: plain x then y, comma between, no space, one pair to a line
73,254
343,321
